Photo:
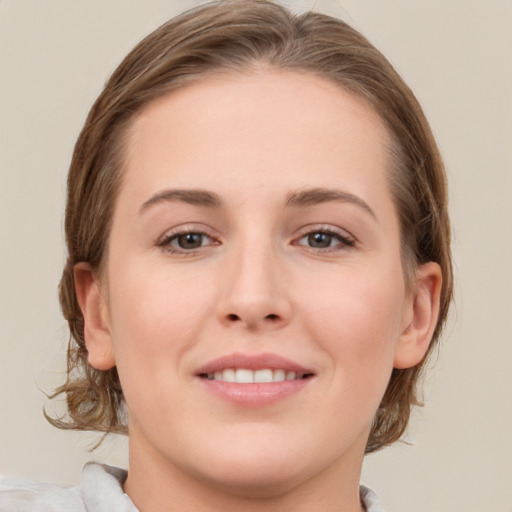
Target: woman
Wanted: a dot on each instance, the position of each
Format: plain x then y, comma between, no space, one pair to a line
258,266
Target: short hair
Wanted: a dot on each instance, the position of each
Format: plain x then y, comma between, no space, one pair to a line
239,36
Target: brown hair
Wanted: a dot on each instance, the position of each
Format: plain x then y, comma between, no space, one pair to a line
235,36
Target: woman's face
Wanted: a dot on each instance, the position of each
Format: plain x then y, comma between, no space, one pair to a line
254,237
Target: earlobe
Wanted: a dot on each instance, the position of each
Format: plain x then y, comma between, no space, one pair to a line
96,320
422,316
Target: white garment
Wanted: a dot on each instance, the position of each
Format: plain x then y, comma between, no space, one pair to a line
100,490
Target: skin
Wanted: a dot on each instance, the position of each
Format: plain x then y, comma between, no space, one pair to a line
256,283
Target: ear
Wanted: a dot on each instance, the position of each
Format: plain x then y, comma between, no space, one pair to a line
420,317
96,319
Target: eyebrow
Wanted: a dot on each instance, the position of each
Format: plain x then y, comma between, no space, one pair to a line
313,196
196,197
299,199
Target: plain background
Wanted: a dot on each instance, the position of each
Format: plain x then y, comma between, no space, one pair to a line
457,57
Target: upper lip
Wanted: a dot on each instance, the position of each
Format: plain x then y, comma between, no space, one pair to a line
253,362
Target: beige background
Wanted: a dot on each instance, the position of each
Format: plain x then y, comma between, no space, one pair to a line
456,55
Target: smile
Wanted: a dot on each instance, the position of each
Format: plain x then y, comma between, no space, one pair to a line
247,376
254,380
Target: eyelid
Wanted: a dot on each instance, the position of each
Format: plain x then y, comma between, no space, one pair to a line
347,240
164,241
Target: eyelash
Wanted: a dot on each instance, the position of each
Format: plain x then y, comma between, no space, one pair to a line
345,241
166,242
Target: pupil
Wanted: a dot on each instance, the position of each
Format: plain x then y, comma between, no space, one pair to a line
320,240
190,241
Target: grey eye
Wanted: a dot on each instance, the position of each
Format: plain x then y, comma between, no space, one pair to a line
320,240
324,239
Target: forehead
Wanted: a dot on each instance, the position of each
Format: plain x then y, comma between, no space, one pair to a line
267,125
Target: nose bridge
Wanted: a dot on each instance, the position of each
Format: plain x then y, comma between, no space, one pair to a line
254,293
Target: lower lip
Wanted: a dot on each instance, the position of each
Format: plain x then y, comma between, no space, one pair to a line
258,394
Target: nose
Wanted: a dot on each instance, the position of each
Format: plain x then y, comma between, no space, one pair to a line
254,292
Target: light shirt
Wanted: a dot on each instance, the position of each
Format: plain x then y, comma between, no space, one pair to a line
100,490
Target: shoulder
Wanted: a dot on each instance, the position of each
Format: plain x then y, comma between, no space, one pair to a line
370,500
100,490
18,495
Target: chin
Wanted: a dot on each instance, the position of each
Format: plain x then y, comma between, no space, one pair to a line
245,476
251,466
261,466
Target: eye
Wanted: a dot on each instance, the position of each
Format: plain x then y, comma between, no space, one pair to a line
320,240
185,242
189,240
326,239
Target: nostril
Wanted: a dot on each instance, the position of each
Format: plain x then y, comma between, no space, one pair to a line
234,318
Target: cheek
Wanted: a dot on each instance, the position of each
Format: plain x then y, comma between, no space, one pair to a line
357,319
154,326
155,319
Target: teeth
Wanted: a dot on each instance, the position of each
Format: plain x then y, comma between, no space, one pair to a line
229,376
263,376
245,376
279,375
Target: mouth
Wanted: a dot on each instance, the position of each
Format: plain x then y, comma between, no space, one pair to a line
254,380
248,376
